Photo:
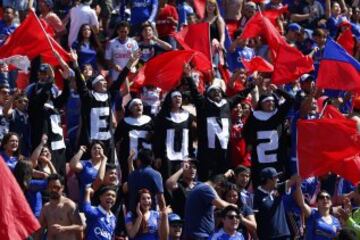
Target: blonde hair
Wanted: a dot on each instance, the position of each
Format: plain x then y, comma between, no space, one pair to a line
216,13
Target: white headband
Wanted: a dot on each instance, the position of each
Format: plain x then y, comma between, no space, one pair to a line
268,98
97,79
175,94
214,86
134,101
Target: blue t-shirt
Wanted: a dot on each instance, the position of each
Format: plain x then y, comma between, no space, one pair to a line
318,229
87,54
5,31
234,58
145,177
86,177
143,10
199,212
152,226
332,26
10,161
100,224
34,196
222,235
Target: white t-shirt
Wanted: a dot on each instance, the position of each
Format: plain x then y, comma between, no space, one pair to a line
79,15
120,53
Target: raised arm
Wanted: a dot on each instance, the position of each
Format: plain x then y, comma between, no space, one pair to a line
75,163
299,198
197,97
133,228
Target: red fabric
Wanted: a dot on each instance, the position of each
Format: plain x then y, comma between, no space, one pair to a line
195,37
290,64
257,64
165,70
200,7
335,148
17,220
232,26
273,14
225,73
30,40
346,40
238,149
343,76
259,25
238,86
164,26
22,80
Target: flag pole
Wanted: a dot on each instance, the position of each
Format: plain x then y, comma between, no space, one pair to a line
323,109
42,28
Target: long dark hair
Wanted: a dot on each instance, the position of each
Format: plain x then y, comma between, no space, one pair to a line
144,223
94,41
23,174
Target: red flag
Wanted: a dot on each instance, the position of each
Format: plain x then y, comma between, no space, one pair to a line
200,8
30,40
259,25
17,220
346,40
290,64
169,74
335,148
273,14
195,37
257,64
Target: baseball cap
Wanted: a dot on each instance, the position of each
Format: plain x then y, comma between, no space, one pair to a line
269,172
250,5
306,77
174,218
294,27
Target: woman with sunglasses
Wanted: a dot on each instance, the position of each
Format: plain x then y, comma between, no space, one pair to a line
320,223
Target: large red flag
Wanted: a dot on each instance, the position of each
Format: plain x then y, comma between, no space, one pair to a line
165,70
257,64
17,220
195,37
200,8
259,25
346,40
290,64
30,40
329,145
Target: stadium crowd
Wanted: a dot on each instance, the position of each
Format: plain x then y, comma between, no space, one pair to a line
98,159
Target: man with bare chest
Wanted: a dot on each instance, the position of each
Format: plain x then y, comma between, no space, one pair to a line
59,216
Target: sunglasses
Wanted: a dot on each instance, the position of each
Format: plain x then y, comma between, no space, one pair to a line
322,197
233,216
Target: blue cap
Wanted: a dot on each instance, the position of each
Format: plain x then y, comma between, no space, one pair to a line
269,172
294,27
174,218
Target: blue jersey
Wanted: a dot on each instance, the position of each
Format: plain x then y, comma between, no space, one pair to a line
151,224
318,229
100,224
10,161
34,196
86,177
222,235
143,10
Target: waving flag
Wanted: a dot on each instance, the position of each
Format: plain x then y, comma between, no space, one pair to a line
338,70
170,73
290,64
347,41
195,37
257,64
17,220
335,148
200,7
31,40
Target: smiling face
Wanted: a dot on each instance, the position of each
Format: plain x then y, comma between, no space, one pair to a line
323,201
231,221
145,201
12,145
107,199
